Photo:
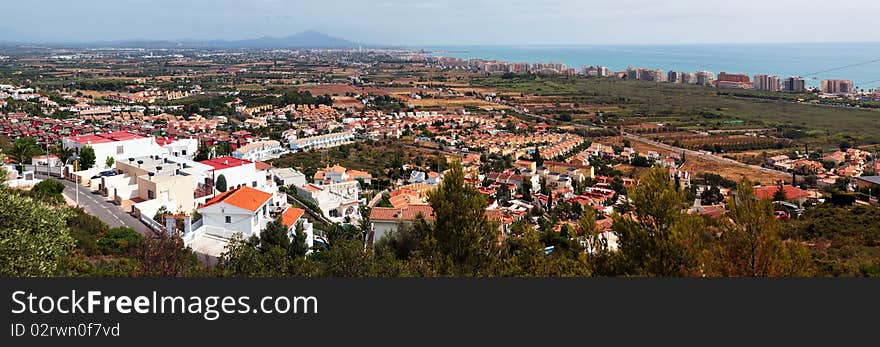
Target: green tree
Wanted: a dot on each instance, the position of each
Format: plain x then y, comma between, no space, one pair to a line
24,149
537,158
750,244
461,228
274,235
221,183
86,158
659,239
779,195
108,162
298,246
33,237
62,153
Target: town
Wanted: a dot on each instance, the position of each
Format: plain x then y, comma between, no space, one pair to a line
221,148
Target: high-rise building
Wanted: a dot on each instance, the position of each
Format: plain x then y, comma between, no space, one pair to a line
688,77
838,87
705,78
726,80
767,83
795,84
603,71
674,77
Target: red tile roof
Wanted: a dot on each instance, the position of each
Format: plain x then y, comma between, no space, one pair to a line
408,213
221,163
291,215
245,197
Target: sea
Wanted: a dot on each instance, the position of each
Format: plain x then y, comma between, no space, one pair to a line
856,61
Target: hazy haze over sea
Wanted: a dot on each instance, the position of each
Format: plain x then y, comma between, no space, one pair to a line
783,60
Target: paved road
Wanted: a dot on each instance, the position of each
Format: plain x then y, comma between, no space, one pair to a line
98,206
701,155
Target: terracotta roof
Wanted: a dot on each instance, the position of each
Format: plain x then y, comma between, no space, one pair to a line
291,215
221,163
262,166
408,213
791,192
245,197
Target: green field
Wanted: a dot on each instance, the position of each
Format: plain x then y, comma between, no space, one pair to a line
675,102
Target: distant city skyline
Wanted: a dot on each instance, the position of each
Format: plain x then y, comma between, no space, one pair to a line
449,22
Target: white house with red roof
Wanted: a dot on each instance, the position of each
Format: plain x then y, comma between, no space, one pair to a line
245,211
119,145
242,210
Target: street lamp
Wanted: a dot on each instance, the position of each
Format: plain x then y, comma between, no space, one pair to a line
75,160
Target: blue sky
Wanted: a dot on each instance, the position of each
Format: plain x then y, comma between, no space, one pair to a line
448,22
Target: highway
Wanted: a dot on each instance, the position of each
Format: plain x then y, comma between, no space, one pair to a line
705,156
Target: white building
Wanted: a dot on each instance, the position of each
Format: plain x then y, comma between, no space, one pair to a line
239,173
287,176
336,200
118,145
260,151
322,141
184,148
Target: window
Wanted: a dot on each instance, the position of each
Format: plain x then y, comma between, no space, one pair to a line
183,152
228,219
150,195
254,184
120,149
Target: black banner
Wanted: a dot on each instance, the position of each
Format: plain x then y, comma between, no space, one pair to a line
415,312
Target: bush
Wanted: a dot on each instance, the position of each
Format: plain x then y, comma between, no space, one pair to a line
120,240
48,190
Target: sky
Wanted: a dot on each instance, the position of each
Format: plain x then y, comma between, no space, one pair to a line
447,22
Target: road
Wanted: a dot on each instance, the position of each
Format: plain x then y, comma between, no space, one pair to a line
704,156
98,206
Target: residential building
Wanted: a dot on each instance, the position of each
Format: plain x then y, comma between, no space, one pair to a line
767,83
705,78
795,85
838,87
260,151
243,210
287,177
337,201
119,145
384,220
322,141
726,80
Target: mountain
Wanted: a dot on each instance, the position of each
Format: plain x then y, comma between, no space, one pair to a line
306,39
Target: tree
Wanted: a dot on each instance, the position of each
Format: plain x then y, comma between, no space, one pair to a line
461,228
779,195
86,158
537,158
274,235
660,239
62,153
33,237
221,183
24,149
298,246
750,244
49,191
711,196
165,255
109,162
